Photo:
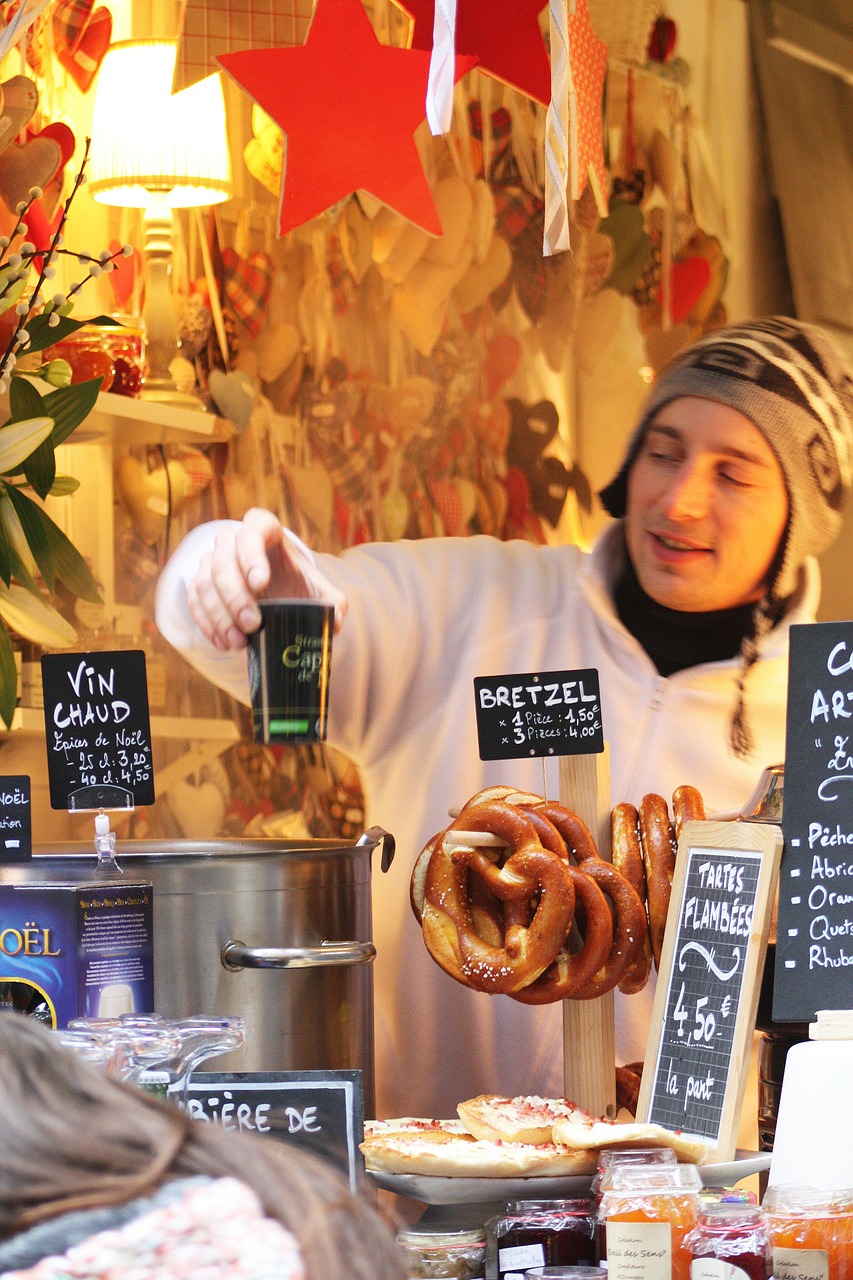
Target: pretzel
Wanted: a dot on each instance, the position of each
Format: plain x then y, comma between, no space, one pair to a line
687,806
529,872
627,854
657,837
629,915
570,970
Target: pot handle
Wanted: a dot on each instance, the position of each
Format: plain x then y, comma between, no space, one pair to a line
236,955
378,835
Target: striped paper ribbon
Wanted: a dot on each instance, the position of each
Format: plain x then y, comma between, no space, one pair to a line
439,99
560,146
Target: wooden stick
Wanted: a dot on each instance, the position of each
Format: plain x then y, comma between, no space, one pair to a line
589,1033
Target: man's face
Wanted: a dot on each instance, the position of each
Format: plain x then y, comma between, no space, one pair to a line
706,507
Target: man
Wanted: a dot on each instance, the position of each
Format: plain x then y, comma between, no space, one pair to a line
733,481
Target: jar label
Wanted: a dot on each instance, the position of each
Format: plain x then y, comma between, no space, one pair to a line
639,1250
521,1257
800,1264
715,1269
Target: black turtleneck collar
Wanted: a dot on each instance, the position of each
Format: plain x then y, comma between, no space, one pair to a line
674,639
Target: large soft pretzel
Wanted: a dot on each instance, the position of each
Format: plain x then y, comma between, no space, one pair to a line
570,970
530,874
627,854
629,916
657,837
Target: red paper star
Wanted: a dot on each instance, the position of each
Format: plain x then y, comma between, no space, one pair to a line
588,57
504,36
349,107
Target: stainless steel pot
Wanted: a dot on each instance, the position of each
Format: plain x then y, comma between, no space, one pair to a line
276,932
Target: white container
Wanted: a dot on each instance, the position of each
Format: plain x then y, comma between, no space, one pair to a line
813,1143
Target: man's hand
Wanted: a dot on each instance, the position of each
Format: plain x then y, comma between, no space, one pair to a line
252,560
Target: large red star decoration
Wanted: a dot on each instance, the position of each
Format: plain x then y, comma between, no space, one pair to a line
349,107
503,35
588,58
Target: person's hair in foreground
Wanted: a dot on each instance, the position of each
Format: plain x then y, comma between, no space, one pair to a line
76,1138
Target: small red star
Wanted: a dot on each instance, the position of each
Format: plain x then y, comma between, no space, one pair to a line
349,107
504,36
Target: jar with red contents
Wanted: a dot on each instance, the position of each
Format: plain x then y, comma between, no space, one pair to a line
87,354
734,1234
538,1233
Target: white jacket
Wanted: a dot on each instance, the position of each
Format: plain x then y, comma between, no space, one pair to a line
425,618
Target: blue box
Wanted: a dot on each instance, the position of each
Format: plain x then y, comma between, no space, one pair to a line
81,950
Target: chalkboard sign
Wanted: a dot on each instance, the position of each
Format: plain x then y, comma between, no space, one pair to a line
707,990
321,1110
98,730
814,934
553,713
16,832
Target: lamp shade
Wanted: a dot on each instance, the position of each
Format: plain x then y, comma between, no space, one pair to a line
147,140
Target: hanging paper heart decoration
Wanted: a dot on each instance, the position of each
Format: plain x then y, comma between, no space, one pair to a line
18,102
502,357
532,429
25,165
689,281
233,395
124,275
84,62
198,810
549,484
277,347
314,493
248,283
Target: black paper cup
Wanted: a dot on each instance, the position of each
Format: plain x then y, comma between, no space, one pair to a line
289,660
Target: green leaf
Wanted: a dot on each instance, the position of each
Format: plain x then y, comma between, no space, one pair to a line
42,334
40,467
11,295
34,618
63,486
30,515
70,566
19,439
8,678
69,406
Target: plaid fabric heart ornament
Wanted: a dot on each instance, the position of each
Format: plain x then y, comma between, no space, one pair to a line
248,284
84,60
70,19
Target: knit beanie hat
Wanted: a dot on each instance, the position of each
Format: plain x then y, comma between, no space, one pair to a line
790,380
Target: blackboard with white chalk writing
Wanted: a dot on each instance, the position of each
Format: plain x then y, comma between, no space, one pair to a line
98,731
321,1110
707,990
553,713
16,830
814,934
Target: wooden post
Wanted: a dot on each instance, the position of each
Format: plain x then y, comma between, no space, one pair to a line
589,1034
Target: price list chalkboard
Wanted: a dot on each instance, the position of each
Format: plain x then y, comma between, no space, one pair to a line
814,935
321,1110
708,985
16,830
554,713
97,728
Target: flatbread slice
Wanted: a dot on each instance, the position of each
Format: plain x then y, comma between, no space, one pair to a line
530,1119
582,1130
436,1153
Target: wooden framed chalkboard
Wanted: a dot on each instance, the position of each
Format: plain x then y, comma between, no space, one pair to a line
814,932
16,829
707,990
320,1110
97,729
549,713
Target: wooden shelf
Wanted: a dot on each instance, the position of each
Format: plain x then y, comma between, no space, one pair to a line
139,422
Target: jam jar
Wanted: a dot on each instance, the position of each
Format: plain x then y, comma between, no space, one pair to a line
443,1254
729,1240
647,1211
609,1160
811,1233
533,1234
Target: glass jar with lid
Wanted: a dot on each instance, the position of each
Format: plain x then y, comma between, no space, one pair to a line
647,1211
811,1232
533,1234
607,1162
443,1254
730,1234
